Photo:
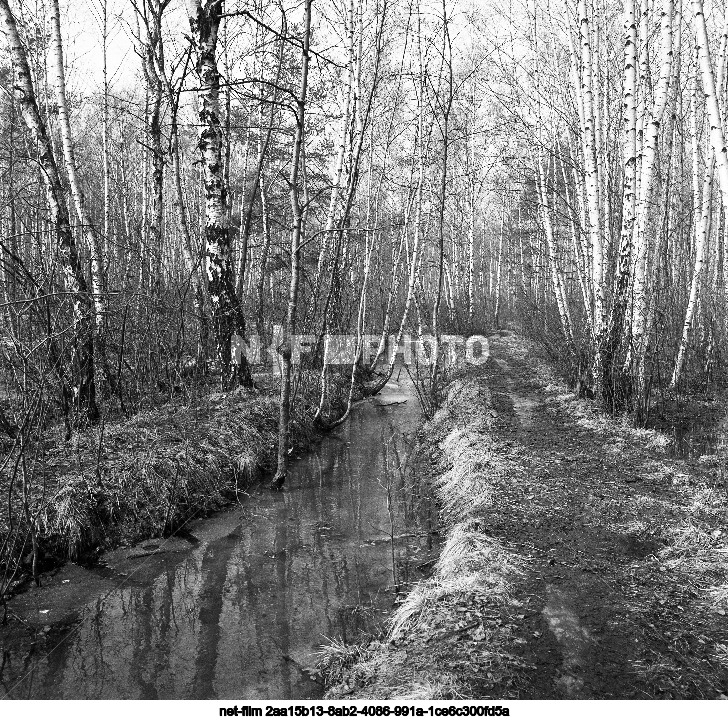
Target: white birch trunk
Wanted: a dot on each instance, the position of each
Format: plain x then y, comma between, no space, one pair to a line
296,238
592,171
702,230
81,378
227,313
717,128
556,277
650,138
84,217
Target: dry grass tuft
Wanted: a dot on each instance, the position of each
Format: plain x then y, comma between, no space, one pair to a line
336,657
687,539
721,654
718,598
440,640
470,563
152,472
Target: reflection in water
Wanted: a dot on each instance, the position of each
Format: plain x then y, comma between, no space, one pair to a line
692,440
695,435
244,611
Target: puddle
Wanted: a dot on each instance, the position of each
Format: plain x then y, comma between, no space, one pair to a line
694,431
241,610
523,406
692,440
636,547
574,640
391,399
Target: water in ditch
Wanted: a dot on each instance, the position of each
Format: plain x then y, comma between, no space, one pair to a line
240,609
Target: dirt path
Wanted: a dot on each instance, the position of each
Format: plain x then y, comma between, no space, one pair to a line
625,592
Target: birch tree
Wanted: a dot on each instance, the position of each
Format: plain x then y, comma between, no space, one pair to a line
586,92
227,313
648,154
444,108
150,14
296,239
716,121
81,378
711,89
556,275
90,231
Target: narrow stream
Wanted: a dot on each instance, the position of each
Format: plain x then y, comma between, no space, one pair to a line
241,612
694,432
693,439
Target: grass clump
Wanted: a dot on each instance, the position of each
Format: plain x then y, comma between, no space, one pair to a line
144,477
450,636
158,469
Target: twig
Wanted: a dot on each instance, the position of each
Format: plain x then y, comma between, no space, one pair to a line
456,631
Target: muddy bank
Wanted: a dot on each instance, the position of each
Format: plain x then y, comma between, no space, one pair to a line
454,628
580,560
141,478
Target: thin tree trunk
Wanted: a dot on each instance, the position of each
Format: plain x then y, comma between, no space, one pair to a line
717,129
592,171
702,230
556,276
471,235
82,377
650,136
105,132
611,367
262,152
263,262
84,217
445,110
290,325
499,268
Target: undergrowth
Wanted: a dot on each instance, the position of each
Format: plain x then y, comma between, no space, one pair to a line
138,478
